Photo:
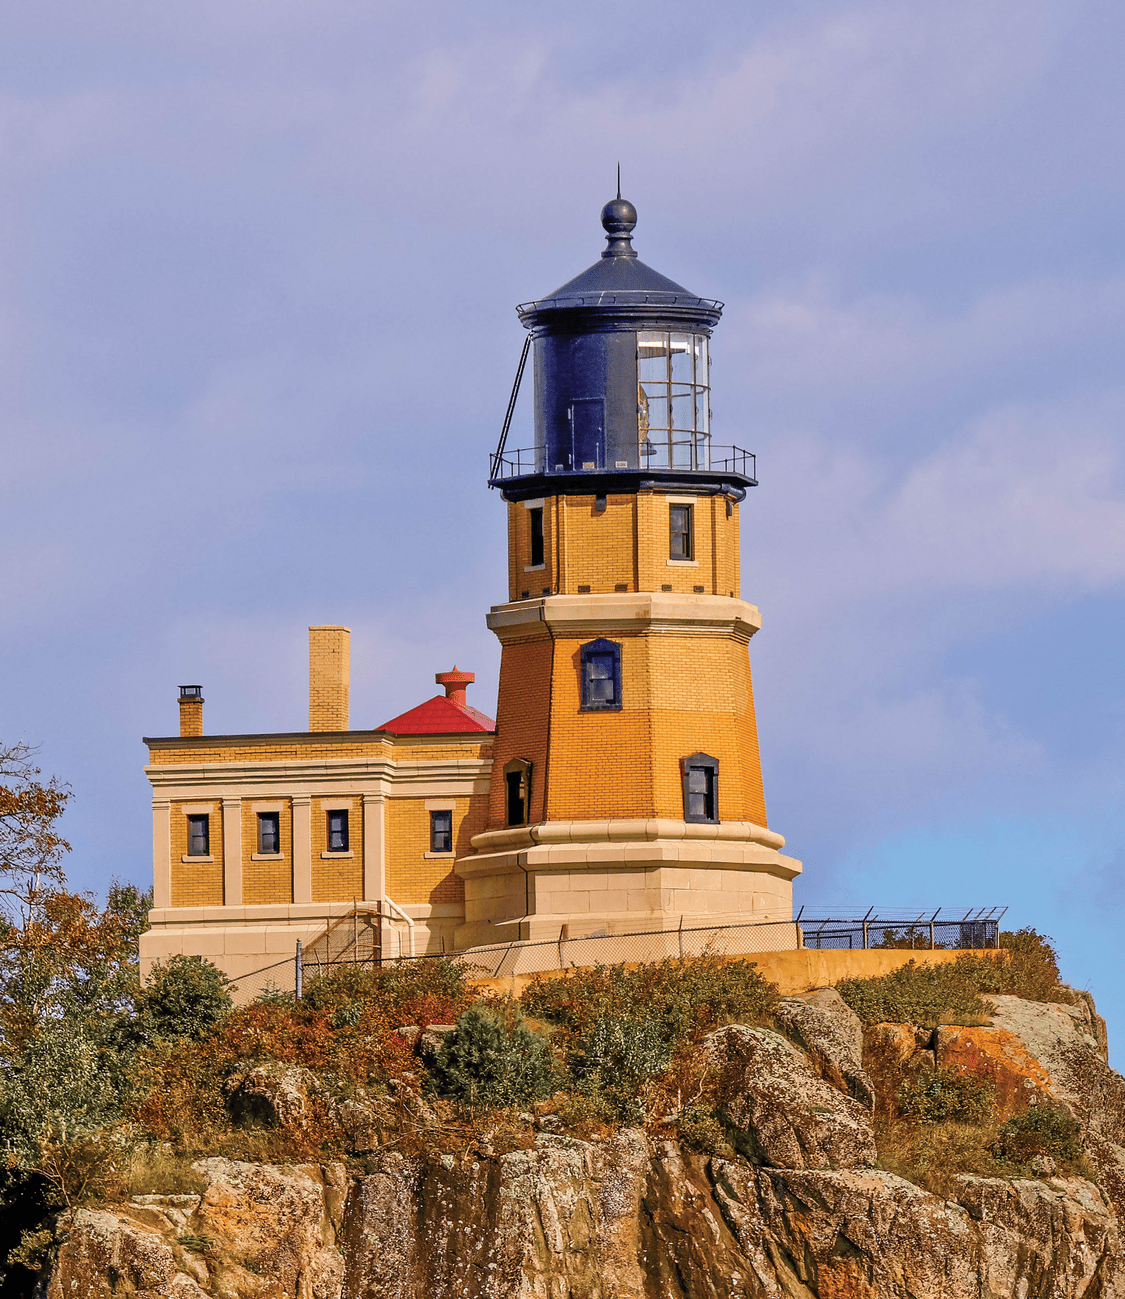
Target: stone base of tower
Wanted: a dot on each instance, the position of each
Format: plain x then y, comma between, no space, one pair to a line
533,883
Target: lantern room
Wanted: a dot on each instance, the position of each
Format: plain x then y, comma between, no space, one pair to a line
622,385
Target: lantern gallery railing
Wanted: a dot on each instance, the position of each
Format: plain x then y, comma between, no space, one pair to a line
693,455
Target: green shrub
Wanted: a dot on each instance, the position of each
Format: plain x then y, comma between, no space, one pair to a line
185,998
493,1059
701,1129
616,1056
404,988
686,997
926,995
945,1095
1041,1130
951,993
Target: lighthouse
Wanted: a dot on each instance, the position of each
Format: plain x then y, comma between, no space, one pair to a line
626,786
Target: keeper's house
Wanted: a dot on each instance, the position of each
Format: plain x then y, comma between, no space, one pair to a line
620,786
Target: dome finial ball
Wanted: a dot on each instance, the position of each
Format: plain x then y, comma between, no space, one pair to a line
619,216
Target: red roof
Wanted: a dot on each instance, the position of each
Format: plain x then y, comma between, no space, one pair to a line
439,716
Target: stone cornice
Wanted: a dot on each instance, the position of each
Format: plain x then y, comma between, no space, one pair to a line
640,610
626,831
381,776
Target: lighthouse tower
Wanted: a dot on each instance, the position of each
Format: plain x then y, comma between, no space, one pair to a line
626,785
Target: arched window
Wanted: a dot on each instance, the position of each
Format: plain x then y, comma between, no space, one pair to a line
517,790
701,787
601,675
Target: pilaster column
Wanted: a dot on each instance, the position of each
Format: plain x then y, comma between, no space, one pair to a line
374,839
302,848
232,852
161,853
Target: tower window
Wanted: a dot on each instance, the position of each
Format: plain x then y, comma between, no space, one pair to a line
199,836
701,787
269,832
535,517
338,831
680,532
441,831
601,675
517,790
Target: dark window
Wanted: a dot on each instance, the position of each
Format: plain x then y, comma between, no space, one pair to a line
198,836
517,788
441,832
679,532
536,516
269,832
338,831
701,788
601,674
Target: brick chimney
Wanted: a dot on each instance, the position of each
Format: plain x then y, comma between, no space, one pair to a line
455,684
329,676
191,710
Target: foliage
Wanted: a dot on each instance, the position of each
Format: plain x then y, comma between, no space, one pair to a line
408,992
951,993
1041,1130
926,995
945,1094
493,1059
687,997
31,848
616,1056
185,998
701,1129
932,1155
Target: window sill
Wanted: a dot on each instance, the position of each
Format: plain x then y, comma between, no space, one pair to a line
326,856
190,857
600,708
438,856
534,568
267,856
683,563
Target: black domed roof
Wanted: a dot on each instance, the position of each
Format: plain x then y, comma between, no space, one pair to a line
619,279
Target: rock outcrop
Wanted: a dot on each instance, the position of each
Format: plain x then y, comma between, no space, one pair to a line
780,1111
799,1212
624,1218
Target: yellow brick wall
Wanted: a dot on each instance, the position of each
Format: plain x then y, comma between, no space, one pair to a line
337,879
329,673
266,881
682,693
519,550
197,884
522,722
412,878
623,546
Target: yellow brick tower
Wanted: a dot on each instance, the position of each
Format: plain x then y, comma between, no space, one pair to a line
626,786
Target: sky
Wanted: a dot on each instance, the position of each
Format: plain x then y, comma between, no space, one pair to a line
258,265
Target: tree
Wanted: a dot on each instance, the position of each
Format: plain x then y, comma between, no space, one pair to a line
31,848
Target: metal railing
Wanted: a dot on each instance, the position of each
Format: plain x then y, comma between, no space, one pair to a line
695,455
951,929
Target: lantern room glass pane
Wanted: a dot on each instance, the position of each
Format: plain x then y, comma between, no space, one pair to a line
673,415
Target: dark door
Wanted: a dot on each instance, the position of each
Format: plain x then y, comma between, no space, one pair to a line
587,433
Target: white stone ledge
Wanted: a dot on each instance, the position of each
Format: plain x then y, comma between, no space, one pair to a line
626,831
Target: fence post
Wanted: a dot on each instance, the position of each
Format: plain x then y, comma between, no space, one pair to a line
297,981
562,931
681,933
869,910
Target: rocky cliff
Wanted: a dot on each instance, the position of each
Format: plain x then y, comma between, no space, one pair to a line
793,1204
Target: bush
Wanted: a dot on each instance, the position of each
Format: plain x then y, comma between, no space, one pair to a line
1041,1130
422,992
945,1095
928,995
616,1057
184,999
493,1059
686,997
701,1129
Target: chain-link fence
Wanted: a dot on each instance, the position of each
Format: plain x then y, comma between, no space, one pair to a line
885,928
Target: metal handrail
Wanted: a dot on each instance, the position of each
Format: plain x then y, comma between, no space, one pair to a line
707,458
